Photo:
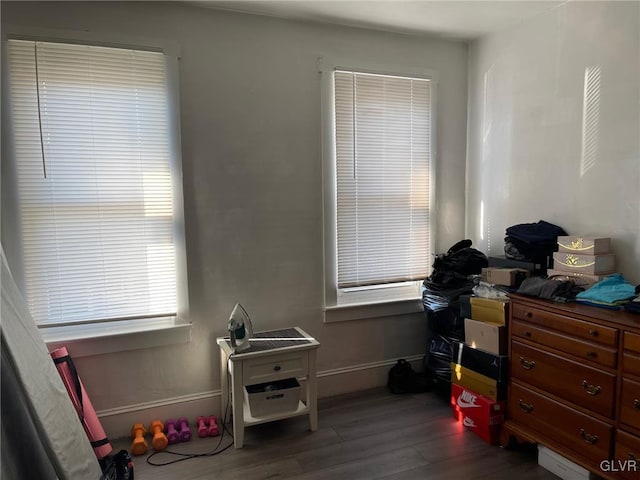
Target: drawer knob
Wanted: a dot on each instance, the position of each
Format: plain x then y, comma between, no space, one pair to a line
631,456
589,438
528,314
591,389
527,334
527,407
527,364
636,403
277,368
592,354
593,332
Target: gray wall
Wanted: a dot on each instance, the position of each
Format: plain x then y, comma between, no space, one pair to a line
250,115
538,148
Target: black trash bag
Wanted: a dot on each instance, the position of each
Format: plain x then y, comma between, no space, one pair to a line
438,358
447,322
533,242
461,260
442,308
435,297
403,379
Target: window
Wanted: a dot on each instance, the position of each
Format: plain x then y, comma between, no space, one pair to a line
98,183
383,186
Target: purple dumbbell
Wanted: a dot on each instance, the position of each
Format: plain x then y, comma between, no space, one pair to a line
172,434
183,429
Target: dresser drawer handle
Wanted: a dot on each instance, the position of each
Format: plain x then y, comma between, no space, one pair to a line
593,332
528,314
631,456
636,403
527,407
527,364
277,368
592,354
589,438
527,334
591,389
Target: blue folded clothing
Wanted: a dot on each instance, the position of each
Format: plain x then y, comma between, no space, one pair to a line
613,291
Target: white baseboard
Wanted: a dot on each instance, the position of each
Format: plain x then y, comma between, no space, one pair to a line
117,422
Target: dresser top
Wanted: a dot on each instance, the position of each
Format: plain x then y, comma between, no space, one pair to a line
617,317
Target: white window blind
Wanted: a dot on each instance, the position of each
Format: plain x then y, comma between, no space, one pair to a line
94,181
383,154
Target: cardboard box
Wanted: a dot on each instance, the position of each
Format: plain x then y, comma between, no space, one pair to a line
510,277
589,264
584,245
478,383
581,279
489,310
486,336
485,363
477,413
560,466
273,397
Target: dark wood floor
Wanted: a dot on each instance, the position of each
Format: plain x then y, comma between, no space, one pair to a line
367,435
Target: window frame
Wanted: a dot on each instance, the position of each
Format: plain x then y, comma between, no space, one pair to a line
377,300
91,338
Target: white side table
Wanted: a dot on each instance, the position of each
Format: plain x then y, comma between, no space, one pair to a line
273,355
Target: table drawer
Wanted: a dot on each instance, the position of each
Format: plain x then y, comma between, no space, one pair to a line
627,448
580,348
632,342
576,328
267,369
586,386
631,363
630,403
581,433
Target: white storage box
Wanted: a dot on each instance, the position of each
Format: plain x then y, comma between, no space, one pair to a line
560,466
272,398
589,264
584,245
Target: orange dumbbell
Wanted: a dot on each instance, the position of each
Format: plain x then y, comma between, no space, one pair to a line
139,445
159,441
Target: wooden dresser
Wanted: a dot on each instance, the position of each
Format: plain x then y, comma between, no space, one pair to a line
574,383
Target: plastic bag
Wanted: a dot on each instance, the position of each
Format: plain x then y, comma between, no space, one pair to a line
462,260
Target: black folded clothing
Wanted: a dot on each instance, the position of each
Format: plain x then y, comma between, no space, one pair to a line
633,306
532,241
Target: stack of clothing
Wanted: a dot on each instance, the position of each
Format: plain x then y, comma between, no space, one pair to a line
613,292
558,290
533,242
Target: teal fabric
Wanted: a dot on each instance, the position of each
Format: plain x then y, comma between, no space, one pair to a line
612,290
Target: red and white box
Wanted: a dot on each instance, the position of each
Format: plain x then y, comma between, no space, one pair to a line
478,413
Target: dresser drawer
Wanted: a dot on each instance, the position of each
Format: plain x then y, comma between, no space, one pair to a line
632,342
631,363
576,328
580,348
268,369
581,433
627,448
586,386
630,403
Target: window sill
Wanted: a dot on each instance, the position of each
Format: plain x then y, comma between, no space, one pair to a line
103,338
383,308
